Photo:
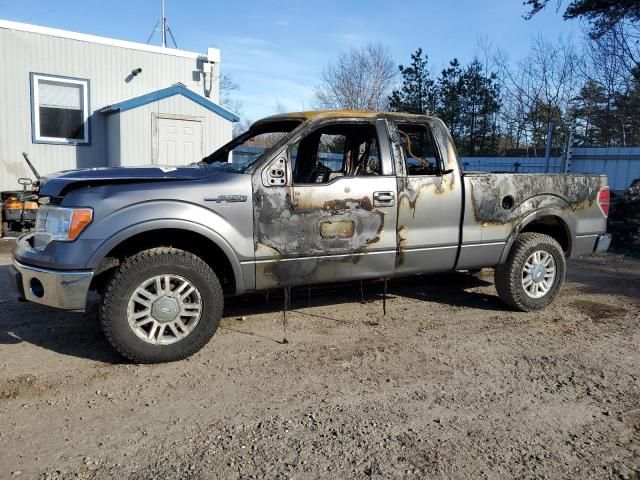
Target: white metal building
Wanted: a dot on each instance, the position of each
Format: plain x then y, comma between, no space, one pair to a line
72,100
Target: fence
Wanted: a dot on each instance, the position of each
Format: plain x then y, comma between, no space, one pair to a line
511,164
621,165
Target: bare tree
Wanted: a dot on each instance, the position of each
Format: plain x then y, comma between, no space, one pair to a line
611,78
615,55
242,126
228,86
280,107
538,90
359,79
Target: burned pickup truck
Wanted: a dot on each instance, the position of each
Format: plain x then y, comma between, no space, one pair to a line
299,199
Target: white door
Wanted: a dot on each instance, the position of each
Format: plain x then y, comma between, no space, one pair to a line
179,141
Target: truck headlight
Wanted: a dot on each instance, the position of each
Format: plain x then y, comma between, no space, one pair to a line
60,223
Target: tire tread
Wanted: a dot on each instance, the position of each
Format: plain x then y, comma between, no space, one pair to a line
508,280
131,266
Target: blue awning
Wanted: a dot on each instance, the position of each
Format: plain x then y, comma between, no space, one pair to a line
177,89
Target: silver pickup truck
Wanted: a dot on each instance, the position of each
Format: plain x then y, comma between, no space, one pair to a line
300,198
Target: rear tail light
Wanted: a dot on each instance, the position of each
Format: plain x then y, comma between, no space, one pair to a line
603,200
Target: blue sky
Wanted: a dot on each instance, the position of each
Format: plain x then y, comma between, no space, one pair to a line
275,50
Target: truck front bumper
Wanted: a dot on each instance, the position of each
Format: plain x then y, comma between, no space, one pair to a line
603,242
55,288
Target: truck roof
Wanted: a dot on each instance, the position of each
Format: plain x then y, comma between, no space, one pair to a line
329,114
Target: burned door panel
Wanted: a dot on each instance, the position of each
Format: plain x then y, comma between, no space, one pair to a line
338,225
429,208
428,213
321,233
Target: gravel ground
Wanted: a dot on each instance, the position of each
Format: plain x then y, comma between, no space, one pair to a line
449,383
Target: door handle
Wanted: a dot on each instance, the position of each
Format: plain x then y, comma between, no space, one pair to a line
383,199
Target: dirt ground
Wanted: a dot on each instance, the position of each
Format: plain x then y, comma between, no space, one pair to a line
449,383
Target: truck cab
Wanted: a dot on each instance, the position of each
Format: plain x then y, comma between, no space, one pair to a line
356,197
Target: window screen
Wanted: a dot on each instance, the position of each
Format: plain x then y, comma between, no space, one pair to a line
60,109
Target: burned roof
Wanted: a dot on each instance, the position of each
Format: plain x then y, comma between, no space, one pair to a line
314,115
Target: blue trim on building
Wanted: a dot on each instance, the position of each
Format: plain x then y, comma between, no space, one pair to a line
177,89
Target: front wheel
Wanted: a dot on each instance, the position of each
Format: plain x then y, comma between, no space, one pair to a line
533,274
161,305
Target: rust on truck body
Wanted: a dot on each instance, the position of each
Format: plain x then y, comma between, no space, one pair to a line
291,224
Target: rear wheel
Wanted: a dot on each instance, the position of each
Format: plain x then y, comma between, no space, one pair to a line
533,274
161,305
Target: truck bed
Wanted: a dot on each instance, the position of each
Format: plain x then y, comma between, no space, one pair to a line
499,205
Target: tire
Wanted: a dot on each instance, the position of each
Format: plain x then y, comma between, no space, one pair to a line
143,295
512,276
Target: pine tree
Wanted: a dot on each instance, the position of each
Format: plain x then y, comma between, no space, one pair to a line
466,99
589,112
417,94
607,118
450,88
480,107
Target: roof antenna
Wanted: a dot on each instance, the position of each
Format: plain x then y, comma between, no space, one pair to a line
163,25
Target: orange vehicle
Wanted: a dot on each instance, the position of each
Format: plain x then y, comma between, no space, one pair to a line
19,208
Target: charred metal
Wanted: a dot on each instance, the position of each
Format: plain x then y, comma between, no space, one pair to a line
530,192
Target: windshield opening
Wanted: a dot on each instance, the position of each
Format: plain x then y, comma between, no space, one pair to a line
243,151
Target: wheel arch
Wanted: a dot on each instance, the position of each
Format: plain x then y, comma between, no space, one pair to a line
550,221
186,235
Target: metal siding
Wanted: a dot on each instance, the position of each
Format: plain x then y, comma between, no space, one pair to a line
620,164
106,67
136,128
113,140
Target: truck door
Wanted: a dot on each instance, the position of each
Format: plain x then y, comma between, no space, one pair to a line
429,197
325,207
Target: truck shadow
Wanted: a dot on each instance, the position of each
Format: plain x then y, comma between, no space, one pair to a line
68,333
451,288
79,334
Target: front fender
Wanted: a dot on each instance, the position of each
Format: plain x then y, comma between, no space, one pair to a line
133,220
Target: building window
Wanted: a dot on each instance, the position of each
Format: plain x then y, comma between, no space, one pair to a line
60,109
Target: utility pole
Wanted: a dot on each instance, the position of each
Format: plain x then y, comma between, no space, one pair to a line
547,152
164,27
569,149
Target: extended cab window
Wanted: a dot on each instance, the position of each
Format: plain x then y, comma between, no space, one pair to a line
339,150
420,154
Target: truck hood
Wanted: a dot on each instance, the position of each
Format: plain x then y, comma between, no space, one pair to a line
57,184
